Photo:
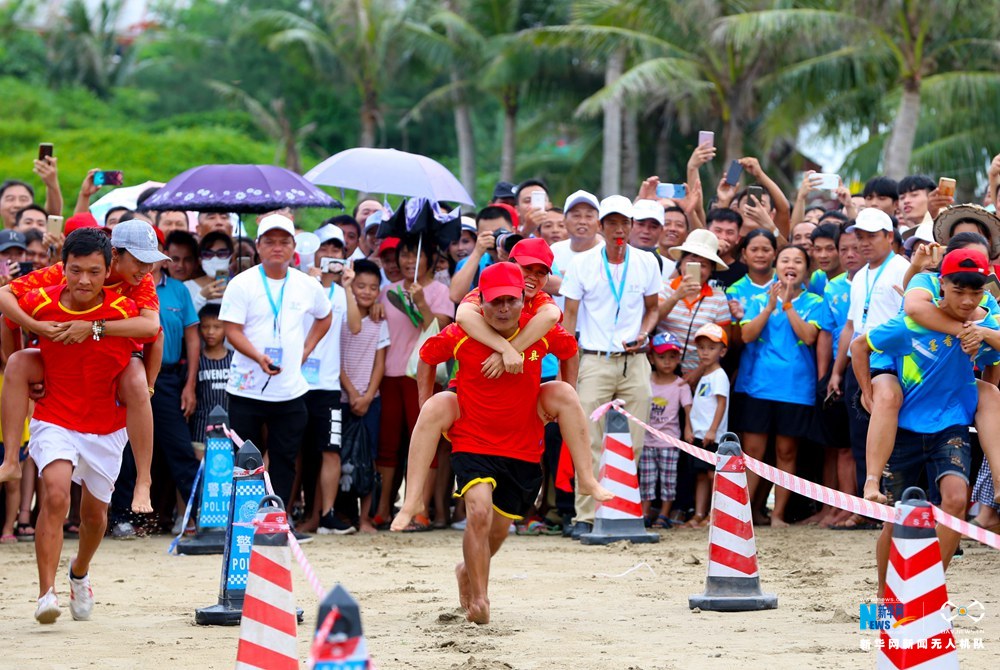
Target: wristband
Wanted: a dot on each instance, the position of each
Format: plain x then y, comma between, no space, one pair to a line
97,328
786,306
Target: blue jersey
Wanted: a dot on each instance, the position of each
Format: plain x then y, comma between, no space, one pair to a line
939,386
818,282
743,291
785,368
931,283
837,297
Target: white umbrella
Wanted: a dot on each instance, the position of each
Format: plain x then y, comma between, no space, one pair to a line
120,197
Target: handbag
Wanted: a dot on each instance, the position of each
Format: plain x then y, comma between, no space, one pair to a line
441,374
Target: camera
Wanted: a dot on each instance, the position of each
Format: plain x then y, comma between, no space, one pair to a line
506,239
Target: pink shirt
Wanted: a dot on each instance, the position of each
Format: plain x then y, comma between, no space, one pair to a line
667,399
402,333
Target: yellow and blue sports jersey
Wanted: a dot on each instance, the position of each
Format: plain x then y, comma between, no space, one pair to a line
931,283
939,387
837,297
785,368
818,282
742,291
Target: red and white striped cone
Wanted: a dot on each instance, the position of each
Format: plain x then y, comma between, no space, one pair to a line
267,630
922,637
621,517
733,583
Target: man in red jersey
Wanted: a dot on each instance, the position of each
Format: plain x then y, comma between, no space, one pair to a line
78,428
133,253
497,439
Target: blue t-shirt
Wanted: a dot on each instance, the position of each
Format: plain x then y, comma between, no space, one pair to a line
176,314
817,282
743,290
931,282
837,296
484,262
939,387
785,368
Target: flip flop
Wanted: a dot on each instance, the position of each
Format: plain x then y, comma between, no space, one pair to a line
25,532
71,531
401,301
8,539
995,528
420,524
664,522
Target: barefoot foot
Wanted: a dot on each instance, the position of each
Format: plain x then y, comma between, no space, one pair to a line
140,499
366,527
478,611
10,472
593,488
463,586
871,491
778,522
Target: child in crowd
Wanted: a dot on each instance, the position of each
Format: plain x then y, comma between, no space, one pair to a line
659,460
708,418
213,373
362,364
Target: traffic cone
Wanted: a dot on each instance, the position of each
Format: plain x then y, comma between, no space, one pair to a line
621,517
267,631
339,643
216,485
922,636
246,494
733,583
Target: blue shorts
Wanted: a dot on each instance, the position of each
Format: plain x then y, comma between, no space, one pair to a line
946,452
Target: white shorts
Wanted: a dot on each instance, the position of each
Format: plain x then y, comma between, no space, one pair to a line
96,459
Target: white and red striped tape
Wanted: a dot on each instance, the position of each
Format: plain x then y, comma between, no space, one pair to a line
806,488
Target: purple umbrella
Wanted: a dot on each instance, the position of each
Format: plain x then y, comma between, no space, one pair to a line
243,189
389,171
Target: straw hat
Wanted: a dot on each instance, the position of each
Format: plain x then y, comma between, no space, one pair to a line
703,243
948,218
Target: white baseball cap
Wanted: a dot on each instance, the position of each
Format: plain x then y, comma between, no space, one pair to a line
330,233
275,222
580,197
872,220
647,209
615,204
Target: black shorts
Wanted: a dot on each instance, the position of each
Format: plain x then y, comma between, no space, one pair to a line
323,427
783,418
515,482
831,417
737,400
700,465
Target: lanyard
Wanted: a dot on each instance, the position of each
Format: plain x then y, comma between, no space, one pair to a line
870,288
275,307
619,292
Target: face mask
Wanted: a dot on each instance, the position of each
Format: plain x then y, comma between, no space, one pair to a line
212,265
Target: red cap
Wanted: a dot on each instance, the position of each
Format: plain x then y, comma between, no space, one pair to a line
530,251
501,279
82,220
965,260
388,244
514,221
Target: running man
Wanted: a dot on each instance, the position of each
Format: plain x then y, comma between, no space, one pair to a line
497,441
78,428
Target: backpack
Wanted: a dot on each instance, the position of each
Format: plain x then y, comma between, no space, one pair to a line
357,469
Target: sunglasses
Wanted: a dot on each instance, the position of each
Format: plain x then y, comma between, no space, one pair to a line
208,254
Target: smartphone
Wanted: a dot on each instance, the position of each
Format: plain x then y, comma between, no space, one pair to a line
734,173
24,268
756,192
538,199
826,181
55,224
44,150
243,263
4,267
946,186
936,255
223,276
273,368
706,137
693,270
673,191
108,178
332,264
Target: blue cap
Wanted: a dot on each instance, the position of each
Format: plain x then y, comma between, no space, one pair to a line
664,342
139,239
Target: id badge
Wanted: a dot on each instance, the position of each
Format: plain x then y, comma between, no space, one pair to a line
274,353
310,370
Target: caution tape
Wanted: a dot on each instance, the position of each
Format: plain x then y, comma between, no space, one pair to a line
297,552
812,490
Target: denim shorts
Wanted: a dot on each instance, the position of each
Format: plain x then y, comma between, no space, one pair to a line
946,452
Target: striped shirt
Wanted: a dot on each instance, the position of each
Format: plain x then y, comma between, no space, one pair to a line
357,352
213,375
711,306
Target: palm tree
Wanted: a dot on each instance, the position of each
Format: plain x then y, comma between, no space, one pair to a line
87,50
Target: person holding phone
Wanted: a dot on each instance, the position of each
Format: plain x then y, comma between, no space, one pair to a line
532,204
214,258
13,247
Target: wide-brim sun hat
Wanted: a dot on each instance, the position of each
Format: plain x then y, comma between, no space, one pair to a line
702,243
950,217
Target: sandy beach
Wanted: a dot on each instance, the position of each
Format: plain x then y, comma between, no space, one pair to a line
556,604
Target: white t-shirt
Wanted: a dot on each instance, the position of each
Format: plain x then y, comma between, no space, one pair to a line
586,280
247,303
322,368
669,265
562,256
705,402
885,301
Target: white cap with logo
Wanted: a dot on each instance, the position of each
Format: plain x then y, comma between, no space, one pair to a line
615,204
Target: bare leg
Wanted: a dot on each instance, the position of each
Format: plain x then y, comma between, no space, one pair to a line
133,390
443,485
988,426
825,512
882,556
887,399
388,474
786,451
754,445
329,480
12,492
483,537
49,532
27,492
365,521
954,496
847,483
558,401
93,523
23,368
436,417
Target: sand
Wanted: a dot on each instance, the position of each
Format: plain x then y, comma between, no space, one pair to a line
556,604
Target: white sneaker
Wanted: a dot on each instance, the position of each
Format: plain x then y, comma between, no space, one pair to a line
81,597
48,608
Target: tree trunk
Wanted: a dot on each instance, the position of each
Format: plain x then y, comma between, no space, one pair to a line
611,162
663,146
466,141
896,159
630,151
509,146
369,123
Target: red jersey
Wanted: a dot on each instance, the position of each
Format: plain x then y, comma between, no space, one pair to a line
143,295
499,417
531,305
81,380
